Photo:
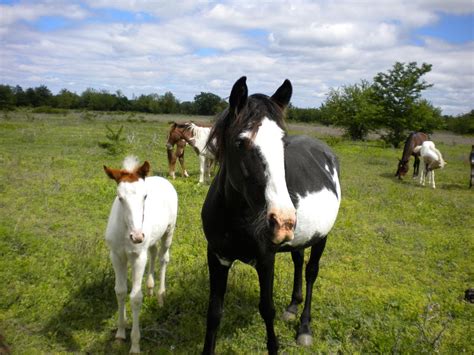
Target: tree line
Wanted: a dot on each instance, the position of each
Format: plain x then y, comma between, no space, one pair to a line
391,103
205,103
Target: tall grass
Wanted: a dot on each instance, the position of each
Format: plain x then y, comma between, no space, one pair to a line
392,277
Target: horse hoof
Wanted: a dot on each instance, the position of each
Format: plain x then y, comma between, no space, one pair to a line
288,316
305,340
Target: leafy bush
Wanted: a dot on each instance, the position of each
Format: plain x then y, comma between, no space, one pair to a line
462,125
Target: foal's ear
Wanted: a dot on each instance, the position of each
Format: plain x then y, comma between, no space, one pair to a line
283,94
238,95
114,174
143,170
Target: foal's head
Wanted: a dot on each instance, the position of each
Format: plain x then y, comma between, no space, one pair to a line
131,193
248,140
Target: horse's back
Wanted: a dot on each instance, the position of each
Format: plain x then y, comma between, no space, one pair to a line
162,202
310,165
312,174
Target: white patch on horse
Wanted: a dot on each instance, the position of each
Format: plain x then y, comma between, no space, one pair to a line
224,261
316,213
269,140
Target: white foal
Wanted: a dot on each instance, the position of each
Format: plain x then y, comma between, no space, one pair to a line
432,159
143,213
198,142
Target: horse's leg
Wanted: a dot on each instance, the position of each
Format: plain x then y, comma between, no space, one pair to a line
422,175
218,274
433,179
180,153
265,270
164,257
207,170
150,282
304,336
120,268
416,166
297,294
171,161
202,167
136,298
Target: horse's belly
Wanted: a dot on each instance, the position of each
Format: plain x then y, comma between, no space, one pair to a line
315,216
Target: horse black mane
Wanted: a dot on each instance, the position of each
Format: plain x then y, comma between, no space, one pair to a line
229,125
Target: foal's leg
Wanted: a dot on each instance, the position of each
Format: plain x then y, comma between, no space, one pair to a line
136,298
150,282
312,269
171,161
265,270
164,257
202,168
120,268
180,154
423,175
432,179
297,295
218,274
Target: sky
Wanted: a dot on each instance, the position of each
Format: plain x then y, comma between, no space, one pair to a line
193,46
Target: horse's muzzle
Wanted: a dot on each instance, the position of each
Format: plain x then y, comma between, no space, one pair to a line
137,237
282,227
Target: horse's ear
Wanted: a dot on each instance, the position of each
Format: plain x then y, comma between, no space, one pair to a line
114,174
283,94
238,95
143,170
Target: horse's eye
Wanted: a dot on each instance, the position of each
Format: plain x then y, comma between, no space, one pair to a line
144,198
120,199
239,143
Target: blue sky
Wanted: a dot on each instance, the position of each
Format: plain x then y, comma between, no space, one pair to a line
187,47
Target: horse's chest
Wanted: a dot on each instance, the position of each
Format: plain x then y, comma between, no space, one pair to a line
315,216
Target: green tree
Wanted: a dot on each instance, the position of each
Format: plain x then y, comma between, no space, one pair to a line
397,92
67,99
207,103
7,97
353,107
168,103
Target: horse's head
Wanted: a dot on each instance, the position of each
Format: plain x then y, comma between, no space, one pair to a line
402,168
248,141
131,194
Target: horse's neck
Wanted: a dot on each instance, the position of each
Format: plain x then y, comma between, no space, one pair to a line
200,137
408,149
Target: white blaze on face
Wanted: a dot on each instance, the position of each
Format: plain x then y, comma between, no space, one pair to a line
132,198
269,141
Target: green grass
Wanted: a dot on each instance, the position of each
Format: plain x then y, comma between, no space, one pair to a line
392,278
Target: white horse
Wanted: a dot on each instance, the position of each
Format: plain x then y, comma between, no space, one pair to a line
432,160
198,142
143,213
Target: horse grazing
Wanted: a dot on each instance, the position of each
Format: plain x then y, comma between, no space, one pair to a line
196,136
175,139
413,140
432,160
272,193
143,213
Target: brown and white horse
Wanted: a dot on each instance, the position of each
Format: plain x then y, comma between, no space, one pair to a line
413,140
196,136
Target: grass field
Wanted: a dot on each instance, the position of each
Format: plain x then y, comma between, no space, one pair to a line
392,278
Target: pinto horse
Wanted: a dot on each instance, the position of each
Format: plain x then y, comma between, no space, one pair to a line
413,140
196,136
272,193
143,214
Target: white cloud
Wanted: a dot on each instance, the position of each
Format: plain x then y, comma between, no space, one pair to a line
317,45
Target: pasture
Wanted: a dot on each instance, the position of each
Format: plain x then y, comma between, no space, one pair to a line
392,278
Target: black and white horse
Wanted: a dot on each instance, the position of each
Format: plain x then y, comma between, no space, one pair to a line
272,193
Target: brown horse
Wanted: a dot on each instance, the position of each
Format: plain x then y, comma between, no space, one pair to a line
176,138
413,140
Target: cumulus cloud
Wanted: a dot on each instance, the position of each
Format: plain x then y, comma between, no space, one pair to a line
191,46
